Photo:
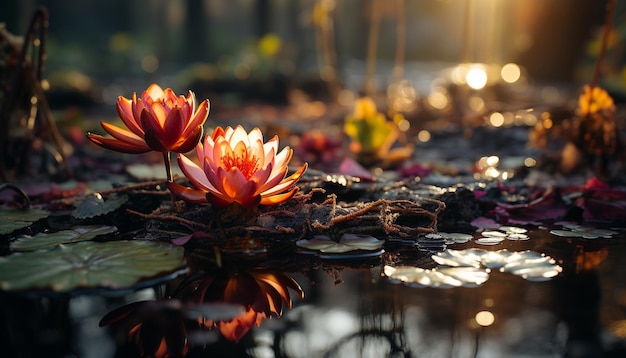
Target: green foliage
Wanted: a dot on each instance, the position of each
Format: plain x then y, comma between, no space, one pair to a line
95,205
14,219
46,240
371,133
110,265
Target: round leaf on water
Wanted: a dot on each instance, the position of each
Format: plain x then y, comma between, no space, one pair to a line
347,243
110,265
95,205
14,219
438,278
46,240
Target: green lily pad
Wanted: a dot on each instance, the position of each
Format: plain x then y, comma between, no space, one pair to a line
46,240
109,265
14,219
347,243
95,205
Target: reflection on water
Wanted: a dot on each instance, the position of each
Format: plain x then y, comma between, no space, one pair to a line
324,308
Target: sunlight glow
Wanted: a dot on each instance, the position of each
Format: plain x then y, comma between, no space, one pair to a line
530,162
476,78
485,318
404,125
438,99
476,103
511,73
496,119
423,136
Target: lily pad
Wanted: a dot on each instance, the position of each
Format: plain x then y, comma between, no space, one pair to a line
584,232
529,265
456,258
46,240
456,237
438,278
109,265
18,219
471,268
347,243
95,205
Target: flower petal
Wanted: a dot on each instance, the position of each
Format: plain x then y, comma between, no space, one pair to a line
173,128
260,177
125,111
154,91
189,141
235,183
153,133
194,173
123,135
279,198
287,182
239,135
187,194
117,145
198,118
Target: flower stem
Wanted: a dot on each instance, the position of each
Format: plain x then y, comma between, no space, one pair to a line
168,166
168,171
608,26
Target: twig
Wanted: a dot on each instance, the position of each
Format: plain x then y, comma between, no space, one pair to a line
132,187
608,25
168,217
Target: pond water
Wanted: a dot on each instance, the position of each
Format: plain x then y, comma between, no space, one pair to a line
350,308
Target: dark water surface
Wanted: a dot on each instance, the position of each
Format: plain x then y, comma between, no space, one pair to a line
353,309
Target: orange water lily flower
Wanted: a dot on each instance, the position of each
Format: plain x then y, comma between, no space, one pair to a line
236,166
159,120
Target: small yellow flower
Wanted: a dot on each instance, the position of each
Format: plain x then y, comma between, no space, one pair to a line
364,108
594,100
369,130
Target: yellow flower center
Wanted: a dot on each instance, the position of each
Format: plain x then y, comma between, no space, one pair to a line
246,162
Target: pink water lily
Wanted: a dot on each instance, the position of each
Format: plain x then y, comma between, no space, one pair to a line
159,120
236,166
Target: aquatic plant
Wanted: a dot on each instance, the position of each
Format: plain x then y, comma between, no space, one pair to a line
372,135
159,121
369,129
238,167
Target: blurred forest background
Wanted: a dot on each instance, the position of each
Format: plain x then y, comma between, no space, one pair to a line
112,44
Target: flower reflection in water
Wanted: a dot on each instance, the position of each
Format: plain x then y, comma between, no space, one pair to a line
164,328
233,302
262,292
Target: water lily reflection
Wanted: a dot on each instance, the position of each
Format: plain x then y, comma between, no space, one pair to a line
262,292
165,328
231,301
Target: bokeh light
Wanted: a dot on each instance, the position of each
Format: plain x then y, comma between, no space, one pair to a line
511,73
476,77
496,119
423,136
485,318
